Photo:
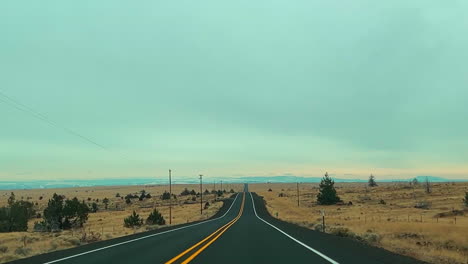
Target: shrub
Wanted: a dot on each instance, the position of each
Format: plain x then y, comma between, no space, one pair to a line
117,195
270,190
94,207
193,192
166,196
207,204
148,196
231,191
371,238
40,226
133,220
92,237
3,249
423,205
185,192
131,196
23,251
327,194
342,232
465,201
72,241
155,218
128,201
382,201
219,193
105,201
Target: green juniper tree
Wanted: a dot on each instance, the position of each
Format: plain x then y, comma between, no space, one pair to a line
14,217
327,194
372,182
133,220
155,218
105,201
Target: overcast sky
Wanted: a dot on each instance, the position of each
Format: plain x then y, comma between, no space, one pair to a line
231,88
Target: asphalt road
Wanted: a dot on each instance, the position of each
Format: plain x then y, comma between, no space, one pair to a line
242,232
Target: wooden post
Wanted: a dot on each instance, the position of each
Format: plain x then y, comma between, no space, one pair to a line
170,198
323,220
201,195
298,194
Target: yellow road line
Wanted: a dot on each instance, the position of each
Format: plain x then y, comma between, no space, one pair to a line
214,239
226,226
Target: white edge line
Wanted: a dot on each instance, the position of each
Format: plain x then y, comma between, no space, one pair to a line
299,242
144,237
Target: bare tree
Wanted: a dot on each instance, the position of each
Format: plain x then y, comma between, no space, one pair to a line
428,185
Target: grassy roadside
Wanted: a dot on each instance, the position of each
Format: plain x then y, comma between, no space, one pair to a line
384,216
104,224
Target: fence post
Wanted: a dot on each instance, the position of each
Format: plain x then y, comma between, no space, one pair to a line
323,220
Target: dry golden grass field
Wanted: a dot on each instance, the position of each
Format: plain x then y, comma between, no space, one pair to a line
384,216
104,224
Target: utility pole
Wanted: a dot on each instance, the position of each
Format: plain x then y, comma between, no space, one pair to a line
170,198
201,195
298,194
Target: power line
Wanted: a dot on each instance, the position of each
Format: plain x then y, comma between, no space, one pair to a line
26,109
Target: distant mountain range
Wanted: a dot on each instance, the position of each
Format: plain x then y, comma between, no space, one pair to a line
42,184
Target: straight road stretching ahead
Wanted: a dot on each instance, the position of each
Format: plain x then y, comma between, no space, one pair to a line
244,233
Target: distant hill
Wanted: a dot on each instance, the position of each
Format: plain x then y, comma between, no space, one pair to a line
42,184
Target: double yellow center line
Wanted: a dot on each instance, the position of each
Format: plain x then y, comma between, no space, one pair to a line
209,239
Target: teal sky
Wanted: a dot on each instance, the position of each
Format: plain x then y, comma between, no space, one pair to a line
231,88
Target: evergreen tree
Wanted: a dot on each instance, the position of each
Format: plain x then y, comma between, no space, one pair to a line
60,214
372,182
53,214
11,199
166,196
466,199
327,194
14,217
155,218
75,213
105,201
185,192
94,207
133,220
